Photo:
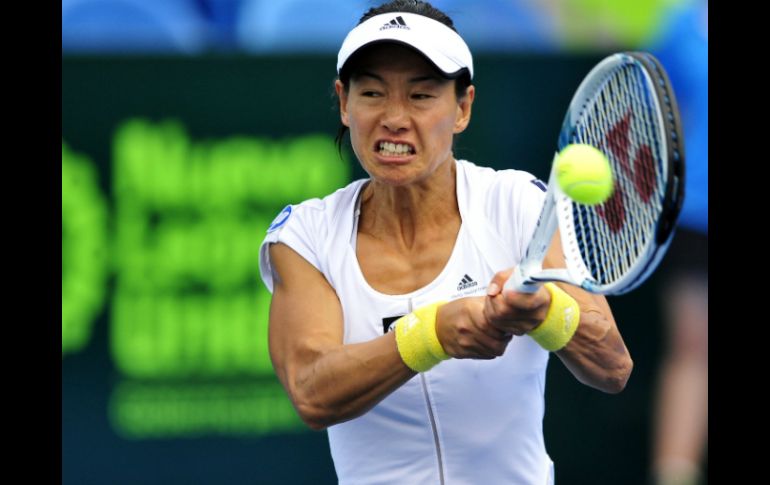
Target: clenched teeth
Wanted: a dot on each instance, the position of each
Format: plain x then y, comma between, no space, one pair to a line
395,149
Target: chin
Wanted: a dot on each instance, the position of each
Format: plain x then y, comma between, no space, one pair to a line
392,181
394,176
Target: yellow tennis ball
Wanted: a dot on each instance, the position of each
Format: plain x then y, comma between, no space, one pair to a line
584,174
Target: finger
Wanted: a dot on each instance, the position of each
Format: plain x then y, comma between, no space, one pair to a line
512,305
510,317
487,347
478,342
498,281
487,327
496,307
527,302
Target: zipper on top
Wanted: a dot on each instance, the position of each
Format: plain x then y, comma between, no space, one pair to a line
433,426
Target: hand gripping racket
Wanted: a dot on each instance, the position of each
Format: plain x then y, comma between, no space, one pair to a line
624,107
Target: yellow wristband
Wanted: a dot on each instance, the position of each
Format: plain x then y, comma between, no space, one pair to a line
417,341
560,322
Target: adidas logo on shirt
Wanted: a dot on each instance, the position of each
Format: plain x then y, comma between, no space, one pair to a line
466,282
396,23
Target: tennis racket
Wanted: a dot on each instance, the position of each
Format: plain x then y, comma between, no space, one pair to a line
624,107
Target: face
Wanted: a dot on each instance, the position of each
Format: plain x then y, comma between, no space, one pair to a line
402,116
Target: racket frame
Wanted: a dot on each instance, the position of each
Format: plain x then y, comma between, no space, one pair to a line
558,209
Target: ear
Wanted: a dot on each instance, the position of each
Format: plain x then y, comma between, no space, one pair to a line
342,96
464,109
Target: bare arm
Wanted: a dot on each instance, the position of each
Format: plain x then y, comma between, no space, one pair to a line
327,382
596,355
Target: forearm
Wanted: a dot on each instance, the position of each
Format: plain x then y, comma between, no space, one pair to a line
340,383
596,355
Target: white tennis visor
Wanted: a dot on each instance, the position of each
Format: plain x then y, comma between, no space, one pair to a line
441,45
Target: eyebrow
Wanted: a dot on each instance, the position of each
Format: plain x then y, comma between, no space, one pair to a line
414,80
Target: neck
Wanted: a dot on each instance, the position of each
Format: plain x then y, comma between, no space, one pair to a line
405,215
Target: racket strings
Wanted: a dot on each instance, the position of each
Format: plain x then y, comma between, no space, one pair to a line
623,120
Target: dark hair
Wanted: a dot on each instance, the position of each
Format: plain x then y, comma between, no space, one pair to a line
409,6
418,7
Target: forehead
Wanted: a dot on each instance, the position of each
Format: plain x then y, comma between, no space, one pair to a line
390,57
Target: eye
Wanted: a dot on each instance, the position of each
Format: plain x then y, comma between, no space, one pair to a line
421,96
370,94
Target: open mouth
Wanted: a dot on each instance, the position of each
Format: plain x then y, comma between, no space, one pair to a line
391,149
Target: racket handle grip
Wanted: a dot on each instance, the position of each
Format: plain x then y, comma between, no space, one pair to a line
517,282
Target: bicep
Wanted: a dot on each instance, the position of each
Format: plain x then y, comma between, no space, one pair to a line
305,313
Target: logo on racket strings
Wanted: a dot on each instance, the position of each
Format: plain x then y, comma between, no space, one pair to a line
641,173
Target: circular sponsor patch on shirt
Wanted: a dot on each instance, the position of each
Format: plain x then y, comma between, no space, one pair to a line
281,219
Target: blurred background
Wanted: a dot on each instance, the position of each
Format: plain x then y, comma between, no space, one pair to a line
188,124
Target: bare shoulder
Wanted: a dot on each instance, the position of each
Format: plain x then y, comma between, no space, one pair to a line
301,293
288,267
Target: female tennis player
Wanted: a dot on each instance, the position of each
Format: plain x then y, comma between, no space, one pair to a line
388,323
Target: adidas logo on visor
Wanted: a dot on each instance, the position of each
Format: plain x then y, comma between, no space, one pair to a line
396,23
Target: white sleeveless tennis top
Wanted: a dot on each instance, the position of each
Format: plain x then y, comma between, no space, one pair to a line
464,421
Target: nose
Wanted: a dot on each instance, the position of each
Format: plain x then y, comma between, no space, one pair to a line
396,116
